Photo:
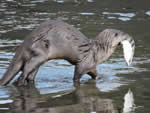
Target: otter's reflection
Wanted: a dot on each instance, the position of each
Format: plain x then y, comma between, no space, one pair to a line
84,99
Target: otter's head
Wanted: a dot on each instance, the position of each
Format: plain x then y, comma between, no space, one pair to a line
113,37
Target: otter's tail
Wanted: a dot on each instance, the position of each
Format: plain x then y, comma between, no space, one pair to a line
12,70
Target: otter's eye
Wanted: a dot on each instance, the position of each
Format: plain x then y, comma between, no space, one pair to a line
116,34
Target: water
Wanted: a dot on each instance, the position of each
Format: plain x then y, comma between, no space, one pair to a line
53,91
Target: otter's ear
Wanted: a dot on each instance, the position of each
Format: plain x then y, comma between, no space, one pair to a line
46,43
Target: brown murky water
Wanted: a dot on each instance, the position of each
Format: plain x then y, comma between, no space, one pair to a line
53,91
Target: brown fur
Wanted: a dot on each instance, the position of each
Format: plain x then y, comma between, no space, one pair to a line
59,40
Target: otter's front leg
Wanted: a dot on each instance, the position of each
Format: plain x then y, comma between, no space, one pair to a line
31,76
93,73
81,69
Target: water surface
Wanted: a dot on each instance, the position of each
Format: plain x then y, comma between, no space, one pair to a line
53,91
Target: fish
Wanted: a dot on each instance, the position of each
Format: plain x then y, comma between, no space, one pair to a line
128,50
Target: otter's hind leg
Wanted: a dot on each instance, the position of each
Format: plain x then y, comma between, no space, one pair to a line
30,67
30,77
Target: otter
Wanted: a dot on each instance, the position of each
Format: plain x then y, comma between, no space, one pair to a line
55,39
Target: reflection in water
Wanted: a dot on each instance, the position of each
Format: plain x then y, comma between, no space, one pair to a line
85,99
129,105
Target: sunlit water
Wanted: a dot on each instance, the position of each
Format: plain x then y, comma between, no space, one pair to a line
53,91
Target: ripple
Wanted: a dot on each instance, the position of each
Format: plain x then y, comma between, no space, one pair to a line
6,101
120,16
106,86
124,18
87,13
90,0
9,0
59,1
30,26
3,5
7,22
10,12
4,108
5,31
8,43
4,93
28,5
148,13
111,17
42,13
38,1
1,10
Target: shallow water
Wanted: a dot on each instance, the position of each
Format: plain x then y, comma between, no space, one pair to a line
53,91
